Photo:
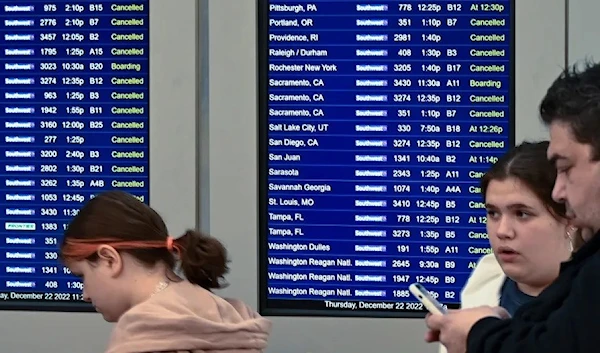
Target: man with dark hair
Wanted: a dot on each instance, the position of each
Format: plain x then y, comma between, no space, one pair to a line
566,316
571,108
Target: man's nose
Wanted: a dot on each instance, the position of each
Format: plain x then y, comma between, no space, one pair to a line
558,192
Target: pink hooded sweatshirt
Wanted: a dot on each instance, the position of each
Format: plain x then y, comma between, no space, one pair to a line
185,318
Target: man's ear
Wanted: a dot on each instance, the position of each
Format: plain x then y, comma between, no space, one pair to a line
111,259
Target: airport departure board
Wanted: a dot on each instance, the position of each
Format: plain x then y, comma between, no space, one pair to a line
74,123
377,120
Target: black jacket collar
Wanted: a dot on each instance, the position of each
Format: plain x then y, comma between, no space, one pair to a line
588,249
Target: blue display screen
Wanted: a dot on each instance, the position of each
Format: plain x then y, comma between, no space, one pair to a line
74,122
377,120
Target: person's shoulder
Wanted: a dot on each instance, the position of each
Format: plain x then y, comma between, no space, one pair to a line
186,302
185,314
484,283
185,298
176,298
487,269
245,310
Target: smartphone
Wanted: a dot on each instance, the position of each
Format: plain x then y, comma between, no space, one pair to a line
428,301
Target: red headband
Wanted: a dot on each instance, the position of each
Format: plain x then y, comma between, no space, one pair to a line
79,249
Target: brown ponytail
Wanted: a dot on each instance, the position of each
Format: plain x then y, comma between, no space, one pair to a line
203,259
119,219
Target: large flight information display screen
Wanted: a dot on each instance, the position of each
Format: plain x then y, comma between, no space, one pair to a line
377,120
74,123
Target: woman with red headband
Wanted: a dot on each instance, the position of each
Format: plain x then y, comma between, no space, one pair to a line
121,250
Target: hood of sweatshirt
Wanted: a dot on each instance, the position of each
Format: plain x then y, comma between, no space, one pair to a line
186,317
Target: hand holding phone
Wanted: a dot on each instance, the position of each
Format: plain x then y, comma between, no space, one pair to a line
428,301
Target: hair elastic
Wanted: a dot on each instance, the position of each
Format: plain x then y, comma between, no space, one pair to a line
170,243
